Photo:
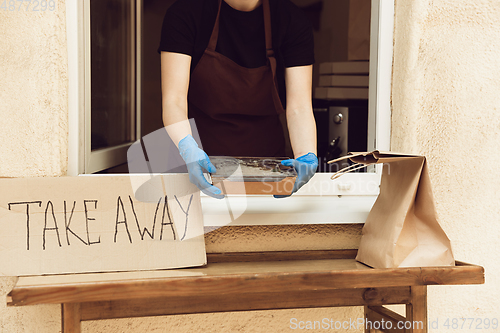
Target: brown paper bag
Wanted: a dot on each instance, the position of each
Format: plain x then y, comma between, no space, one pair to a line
401,229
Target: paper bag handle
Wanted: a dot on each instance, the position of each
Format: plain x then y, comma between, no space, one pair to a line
350,168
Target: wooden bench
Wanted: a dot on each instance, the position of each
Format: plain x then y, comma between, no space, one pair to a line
246,281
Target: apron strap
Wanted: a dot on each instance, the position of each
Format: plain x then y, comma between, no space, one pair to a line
270,54
212,44
268,29
215,32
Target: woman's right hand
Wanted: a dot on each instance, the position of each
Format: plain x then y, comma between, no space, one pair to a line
196,160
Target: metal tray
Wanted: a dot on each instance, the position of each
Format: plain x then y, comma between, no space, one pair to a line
253,175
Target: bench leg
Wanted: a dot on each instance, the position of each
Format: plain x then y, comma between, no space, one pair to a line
416,315
70,317
381,319
416,311
369,316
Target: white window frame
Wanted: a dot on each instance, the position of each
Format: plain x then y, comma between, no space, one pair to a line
345,200
81,159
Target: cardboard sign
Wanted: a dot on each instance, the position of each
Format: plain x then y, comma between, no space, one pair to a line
95,224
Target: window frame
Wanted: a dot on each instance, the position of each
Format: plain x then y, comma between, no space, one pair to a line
81,159
350,188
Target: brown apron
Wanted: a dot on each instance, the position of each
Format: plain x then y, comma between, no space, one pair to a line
237,109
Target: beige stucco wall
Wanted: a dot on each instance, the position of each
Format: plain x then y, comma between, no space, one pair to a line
33,92
33,122
445,104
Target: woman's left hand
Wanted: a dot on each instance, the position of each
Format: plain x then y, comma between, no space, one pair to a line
305,166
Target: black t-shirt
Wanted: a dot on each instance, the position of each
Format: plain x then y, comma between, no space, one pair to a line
188,24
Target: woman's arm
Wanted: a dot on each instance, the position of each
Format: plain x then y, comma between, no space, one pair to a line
299,113
301,124
175,68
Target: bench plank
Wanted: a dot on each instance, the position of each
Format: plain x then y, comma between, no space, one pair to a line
159,306
281,255
235,278
242,282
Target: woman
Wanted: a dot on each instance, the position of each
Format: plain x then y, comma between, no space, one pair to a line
230,65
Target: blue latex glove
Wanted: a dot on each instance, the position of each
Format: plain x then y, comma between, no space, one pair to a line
305,166
197,160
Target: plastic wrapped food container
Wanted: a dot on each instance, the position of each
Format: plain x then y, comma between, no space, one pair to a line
253,175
